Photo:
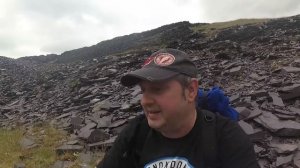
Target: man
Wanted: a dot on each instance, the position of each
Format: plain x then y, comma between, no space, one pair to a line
173,133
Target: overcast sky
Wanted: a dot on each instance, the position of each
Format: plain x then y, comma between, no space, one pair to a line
35,27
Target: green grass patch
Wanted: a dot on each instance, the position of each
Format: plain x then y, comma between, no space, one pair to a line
211,28
46,137
43,155
10,150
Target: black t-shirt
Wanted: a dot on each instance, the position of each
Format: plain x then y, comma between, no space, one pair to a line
184,152
234,149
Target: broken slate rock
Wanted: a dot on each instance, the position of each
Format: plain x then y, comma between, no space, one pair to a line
284,112
295,110
94,101
290,88
244,112
259,93
98,114
291,69
277,101
69,148
106,143
97,135
282,160
296,159
103,105
279,127
263,163
125,106
76,122
86,131
285,117
73,142
284,148
235,70
290,92
117,130
63,115
234,98
89,126
27,143
258,149
254,113
258,135
136,91
118,123
136,100
257,77
296,63
104,122
275,82
248,129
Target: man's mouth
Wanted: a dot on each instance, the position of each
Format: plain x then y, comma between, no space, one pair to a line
153,112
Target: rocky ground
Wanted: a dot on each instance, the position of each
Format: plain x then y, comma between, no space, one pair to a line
257,65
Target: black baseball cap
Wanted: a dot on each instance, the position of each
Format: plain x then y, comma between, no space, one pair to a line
162,65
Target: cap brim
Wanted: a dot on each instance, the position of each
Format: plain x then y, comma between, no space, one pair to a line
151,74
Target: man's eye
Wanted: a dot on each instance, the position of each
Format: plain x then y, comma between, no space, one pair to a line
157,90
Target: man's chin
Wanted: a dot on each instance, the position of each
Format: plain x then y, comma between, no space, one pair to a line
155,124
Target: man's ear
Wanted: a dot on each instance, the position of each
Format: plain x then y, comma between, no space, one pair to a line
192,90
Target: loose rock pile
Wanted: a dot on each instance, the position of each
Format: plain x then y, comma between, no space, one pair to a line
257,65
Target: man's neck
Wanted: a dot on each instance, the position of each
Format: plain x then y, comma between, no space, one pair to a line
183,128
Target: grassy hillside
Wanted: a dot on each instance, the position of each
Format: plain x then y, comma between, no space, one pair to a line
209,29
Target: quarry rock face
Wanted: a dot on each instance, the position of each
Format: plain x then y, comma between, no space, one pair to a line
256,65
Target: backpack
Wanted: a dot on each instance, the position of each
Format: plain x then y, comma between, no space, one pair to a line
209,104
215,101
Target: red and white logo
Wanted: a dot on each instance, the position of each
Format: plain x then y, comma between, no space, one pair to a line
164,59
148,61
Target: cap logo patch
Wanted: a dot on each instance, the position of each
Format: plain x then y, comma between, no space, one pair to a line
148,61
164,59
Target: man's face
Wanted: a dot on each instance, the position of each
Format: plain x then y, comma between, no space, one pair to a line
165,103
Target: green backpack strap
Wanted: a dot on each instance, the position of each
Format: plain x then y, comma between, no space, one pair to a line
209,138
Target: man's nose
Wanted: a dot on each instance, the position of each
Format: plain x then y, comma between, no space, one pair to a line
146,99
